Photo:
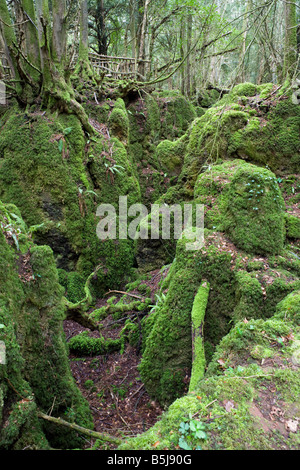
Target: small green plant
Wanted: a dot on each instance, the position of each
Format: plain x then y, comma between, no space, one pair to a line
89,384
159,301
192,432
121,392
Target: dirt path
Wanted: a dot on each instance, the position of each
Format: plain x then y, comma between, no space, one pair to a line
111,383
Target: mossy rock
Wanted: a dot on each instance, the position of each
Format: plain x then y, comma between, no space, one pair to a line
57,178
170,155
245,125
292,224
118,121
289,308
237,386
207,98
36,371
245,201
161,116
159,232
242,288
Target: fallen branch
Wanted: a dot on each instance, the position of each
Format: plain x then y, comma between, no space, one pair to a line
198,315
88,432
125,293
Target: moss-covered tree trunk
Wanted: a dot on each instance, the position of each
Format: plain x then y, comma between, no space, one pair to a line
8,37
83,67
39,58
290,45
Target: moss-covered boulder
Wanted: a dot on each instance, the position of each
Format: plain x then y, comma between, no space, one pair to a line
58,176
241,286
245,201
170,155
118,121
292,224
35,374
258,124
155,118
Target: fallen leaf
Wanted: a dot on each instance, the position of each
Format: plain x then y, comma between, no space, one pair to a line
292,425
229,405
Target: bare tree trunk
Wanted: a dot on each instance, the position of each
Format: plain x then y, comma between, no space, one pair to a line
188,60
83,67
5,49
133,28
241,77
84,31
9,39
143,39
182,53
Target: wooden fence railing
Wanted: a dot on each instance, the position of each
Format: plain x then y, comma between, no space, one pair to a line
111,66
5,70
118,67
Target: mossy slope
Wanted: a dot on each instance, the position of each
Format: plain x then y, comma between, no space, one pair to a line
253,374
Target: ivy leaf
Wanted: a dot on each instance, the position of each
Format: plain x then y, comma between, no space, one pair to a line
68,130
192,426
201,435
184,445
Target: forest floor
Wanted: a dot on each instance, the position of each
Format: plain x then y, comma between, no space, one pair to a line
111,384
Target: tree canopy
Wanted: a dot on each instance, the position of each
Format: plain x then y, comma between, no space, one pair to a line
185,44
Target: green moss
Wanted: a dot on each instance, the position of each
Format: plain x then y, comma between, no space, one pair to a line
254,211
292,225
278,290
231,389
200,111
37,367
244,89
153,119
289,308
244,125
75,287
161,370
207,98
56,184
250,297
244,201
118,121
167,358
84,345
170,156
198,315
210,190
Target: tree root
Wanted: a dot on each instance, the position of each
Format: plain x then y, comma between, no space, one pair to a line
77,311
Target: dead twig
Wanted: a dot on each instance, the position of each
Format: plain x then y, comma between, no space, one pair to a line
88,432
124,293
